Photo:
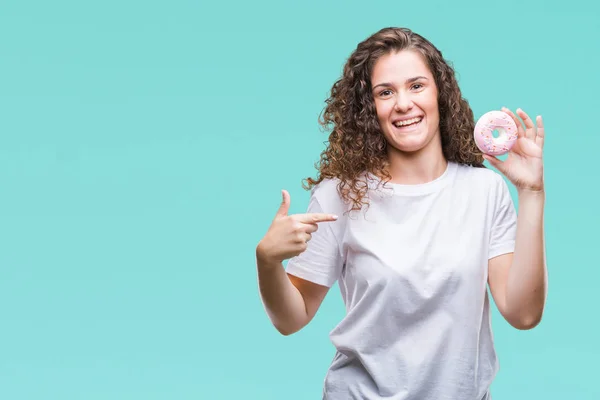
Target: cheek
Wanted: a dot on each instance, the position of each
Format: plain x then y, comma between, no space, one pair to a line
433,109
382,110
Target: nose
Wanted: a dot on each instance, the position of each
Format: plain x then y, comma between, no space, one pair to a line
403,103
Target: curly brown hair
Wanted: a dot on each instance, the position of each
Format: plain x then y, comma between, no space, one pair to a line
356,143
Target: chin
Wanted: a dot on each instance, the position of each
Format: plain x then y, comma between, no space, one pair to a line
409,144
409,148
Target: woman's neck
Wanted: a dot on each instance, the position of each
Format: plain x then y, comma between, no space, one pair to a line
418,167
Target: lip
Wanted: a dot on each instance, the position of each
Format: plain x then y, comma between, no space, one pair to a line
406,118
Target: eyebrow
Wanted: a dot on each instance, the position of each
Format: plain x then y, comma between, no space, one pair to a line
410,80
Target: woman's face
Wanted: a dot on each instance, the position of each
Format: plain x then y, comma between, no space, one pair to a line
405,97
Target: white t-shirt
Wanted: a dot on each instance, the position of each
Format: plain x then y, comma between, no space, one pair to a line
412,269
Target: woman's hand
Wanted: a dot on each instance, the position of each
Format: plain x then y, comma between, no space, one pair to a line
288,235
524,166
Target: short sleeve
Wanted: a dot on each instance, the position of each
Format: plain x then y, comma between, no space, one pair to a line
504,223
321,262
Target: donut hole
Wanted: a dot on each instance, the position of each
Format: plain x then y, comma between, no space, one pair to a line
496,133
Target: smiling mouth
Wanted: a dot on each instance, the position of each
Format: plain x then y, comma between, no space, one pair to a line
408,122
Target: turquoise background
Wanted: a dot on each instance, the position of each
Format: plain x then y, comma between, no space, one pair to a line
143,147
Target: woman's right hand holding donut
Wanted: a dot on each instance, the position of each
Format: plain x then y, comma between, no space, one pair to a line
288,235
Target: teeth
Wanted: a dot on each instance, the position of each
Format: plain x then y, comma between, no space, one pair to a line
407,122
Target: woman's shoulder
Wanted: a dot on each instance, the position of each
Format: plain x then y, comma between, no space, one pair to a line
327,194
327,190
485,181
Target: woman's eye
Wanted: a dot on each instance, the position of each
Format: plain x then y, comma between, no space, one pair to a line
385,93
417,86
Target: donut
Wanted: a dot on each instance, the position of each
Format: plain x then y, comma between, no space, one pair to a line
484,128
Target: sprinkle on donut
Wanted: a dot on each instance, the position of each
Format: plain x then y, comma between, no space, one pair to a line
484,128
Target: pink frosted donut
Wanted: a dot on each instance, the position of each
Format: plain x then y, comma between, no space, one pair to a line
506,127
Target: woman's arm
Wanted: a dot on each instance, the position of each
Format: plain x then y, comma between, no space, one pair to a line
518,281
290,302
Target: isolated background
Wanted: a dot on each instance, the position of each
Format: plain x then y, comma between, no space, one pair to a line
143,147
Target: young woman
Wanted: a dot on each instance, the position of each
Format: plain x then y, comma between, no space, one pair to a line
413,227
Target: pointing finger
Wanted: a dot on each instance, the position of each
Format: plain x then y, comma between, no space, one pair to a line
313,218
